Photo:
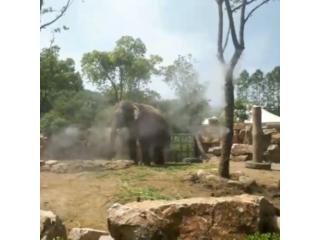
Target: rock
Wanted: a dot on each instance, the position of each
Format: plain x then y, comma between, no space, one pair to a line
268,131
242,135
240,158
235,138
200,173
240,173
266,141
275,139
106,238
248,136
275,226
273,154
42,163
212,177
214,171
86,234
45,168
194,218
234,183
60,168
192,160
241,149
247,181
237,174
51,226
216,151
51,162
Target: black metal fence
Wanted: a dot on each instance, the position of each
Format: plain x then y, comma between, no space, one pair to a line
181,146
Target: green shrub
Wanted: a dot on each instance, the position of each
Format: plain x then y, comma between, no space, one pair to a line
265,236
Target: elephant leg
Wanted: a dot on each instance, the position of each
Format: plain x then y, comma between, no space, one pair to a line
132,145
145,153
158,155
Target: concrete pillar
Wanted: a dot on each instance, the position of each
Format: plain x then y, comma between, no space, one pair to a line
257,143
257,135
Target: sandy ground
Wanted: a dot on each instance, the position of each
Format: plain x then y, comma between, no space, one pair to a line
82,199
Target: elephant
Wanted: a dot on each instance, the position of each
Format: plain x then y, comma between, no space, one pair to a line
147,128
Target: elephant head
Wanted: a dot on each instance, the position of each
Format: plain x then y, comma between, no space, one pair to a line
124,117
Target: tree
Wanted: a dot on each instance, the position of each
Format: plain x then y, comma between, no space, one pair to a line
273,90
184,80
50,10
239,46
51,122
260,89
243,83
125,71
240,110
56,75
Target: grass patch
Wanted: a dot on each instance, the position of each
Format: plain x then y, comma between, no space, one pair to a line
265,236
131,194
134,173
176,167
141,173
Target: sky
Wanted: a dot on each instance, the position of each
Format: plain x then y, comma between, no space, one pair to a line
168,28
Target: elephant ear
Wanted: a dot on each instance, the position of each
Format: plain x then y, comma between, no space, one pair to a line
136,112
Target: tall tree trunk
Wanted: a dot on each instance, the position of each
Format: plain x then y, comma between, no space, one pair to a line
227,140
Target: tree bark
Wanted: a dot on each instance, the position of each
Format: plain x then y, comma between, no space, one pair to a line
227,140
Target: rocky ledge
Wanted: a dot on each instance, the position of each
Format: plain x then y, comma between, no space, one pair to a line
195,218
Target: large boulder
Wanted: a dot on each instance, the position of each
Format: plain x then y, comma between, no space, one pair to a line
51,226
86,234
275,139
240,158
216,151
241,149
242,135
195,218
273,154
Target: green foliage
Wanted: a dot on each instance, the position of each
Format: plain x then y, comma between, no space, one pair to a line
56,75
82,109
52,122
184,80
130,193
240,110
259,89
123,72
265,236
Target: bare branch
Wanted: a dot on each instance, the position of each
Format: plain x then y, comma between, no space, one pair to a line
52,40
220,33
254,9
239,6
226,40
232,27
242,23
64,9
41,3
49,48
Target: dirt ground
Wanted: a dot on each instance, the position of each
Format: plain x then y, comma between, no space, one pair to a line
82,199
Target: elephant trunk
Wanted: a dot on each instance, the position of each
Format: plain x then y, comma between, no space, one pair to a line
199,144
113,137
